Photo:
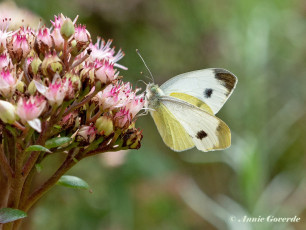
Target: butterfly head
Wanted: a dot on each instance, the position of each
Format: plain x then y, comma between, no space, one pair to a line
152,94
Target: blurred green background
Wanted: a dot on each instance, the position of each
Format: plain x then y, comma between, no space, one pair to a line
263,173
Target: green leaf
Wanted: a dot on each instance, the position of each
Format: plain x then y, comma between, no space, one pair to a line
9,215
73,182
57,141
39,148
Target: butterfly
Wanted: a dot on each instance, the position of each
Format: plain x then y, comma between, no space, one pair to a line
184,108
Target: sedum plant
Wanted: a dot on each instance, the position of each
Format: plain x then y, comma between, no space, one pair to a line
59,94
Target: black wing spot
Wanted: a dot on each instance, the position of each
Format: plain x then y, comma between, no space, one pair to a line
208,93
201,134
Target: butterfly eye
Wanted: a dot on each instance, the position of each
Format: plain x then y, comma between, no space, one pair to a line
153,89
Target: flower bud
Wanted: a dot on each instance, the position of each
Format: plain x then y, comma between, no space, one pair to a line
67,29
105,125
7,112
86,133
51,65
32,88
74,49
34,66
20,86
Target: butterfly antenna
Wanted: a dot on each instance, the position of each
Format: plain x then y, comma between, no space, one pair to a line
152,78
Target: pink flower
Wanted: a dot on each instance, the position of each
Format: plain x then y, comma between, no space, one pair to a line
113,96
135,105
105,72
88,133
81,34
122,118
108,98
8,83
4,34
4,61
20,44
20,41
102,51
56,33
29,111
29,33
119,96
56,91
44,37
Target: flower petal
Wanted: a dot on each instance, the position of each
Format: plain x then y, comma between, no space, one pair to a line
35,124
40,88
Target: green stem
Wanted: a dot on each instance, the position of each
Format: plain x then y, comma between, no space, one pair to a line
5,164
9,147
4,189
45,187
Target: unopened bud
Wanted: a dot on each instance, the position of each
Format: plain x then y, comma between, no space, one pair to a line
74,49
88,75
34,66
75,80
105,125
67,29
32,88
7,112
51,65
86,133
20,86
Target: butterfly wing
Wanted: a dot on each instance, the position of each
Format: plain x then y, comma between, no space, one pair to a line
212,86
206,131
170,129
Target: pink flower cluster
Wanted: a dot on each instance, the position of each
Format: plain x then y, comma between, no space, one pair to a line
57,76
121,98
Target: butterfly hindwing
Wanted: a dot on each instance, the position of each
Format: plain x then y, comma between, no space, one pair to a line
170,129
207,131
212,86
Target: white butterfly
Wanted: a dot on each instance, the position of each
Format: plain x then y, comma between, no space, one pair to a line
184,109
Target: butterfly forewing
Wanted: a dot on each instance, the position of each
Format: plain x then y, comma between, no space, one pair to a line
213,86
